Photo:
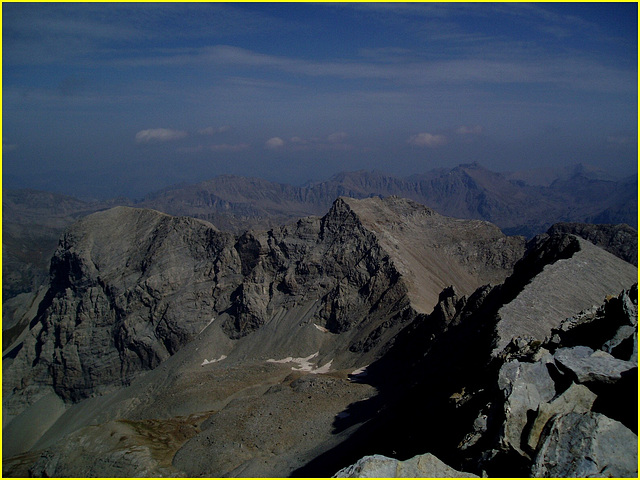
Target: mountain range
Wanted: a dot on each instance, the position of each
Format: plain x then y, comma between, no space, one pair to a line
522,203
381,334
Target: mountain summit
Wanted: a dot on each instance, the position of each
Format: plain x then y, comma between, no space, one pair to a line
291,351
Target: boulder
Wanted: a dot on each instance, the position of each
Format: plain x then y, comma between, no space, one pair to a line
526,386
577,398
587,445
588,366
421,466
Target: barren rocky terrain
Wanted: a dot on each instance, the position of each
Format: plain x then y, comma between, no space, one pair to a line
524,203
163,346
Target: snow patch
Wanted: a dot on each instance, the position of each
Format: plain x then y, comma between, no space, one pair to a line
304,364
358,373
326,368
322,329
207,362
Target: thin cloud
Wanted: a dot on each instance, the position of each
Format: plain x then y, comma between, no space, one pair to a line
427,140
158,135
571,72
337,137
466,130
274,143
213,130
219,147
225,147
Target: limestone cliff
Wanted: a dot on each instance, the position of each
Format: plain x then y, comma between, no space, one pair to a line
163,346
130,287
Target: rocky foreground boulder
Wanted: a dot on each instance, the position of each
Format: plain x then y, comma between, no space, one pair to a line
420,466
164,347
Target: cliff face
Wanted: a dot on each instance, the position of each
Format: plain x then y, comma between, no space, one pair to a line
288,351
33,221
130,287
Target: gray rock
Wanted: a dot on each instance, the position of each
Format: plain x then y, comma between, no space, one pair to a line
577,398
620,240
128,288
525,386
588,366
420,466
571,278
587,445
625,334
611,327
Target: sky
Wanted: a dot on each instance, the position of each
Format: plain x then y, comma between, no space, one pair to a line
108,99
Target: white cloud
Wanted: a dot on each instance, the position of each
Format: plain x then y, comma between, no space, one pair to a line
275,142
155,135
337,137
427,140
465,130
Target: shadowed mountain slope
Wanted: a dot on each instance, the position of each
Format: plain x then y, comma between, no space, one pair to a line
130,288
163,346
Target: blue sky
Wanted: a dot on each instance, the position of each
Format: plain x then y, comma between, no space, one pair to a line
111,99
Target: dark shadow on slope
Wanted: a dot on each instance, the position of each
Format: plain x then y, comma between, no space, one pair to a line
436,379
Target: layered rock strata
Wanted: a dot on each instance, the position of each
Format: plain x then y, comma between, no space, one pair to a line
130,287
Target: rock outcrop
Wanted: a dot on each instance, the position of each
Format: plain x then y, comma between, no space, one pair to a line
420,466
621,239
128,288
296,351
569,409
496,398
131,287
569,273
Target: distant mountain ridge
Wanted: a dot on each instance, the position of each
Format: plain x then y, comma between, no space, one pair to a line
524,203
577,194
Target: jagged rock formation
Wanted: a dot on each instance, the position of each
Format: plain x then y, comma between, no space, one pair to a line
131,287
123,297
297,350
576,275
32,222
493,407
621,240
576,413
518,203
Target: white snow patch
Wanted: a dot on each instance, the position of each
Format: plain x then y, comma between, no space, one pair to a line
207,362
326,368
304,364
359,373
322,329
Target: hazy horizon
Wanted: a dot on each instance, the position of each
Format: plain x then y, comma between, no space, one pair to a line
124,99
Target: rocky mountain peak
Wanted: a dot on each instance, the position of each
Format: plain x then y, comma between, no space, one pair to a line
289,350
